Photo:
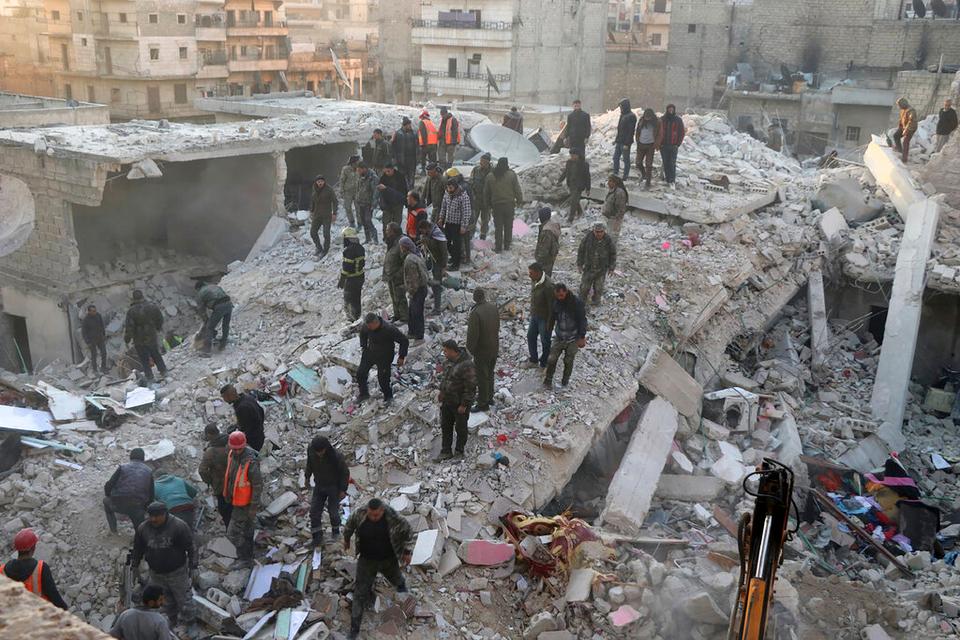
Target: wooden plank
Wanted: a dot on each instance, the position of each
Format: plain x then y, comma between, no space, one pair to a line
726,521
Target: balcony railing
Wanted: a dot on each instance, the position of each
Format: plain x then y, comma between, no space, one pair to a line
462,75
214,58
265,55
253,23
458,24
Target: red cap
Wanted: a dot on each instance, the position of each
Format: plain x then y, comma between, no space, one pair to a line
25,540
237,440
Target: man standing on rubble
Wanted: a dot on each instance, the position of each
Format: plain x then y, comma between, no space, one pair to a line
323,212
449,137
671,137
330,475
213,466
166,542
178,495
384,545
483,341
568,322
541,312
458,388
548,241
393,273
348,188
649,135
427,138
404,145
502,192
352,271
434,188
128,491
946,124
513,119
144,622
249,414
95,335
366,191
142,327
415,281
242,486
455,217
626,128
433,248
577,174
34,574
377,340
906,127
615,206
393,195
596,257
216,309
379,151
578,127
478,178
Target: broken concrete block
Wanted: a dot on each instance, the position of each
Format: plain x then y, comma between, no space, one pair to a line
158,450
833,226
540,623
689,488
702,608
729,469
715,431
874,632
428,549
664,377
401,504
580,585
281,503
210,613
485,552
635,481
319,631
310,357
449,563
682,461
335,380
486,598
223,547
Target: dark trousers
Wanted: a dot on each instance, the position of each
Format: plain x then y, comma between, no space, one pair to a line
367,571
399,299
502,226
132,507
383,376
428,153
393,213
437,288
365,219
485,372
621,150
100,347
465,241
483,215
352,288
415,327
243,522
315,223
538,329
901,140
188,515
645,161
454,244
668,155
224,508
177,595
329,498
220,315
451,419
575,209
569,351
146,352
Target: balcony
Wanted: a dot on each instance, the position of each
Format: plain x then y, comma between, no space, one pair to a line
257,63
426,82
462,33
240,27
213,64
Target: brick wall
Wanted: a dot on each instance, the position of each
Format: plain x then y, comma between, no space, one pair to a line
923,91
638,75
700,36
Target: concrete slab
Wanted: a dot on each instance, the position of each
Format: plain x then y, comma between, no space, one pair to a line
635,481
713,300
428,549
819,331
580,585
637,200
689,488
281,503
275,228
893,178
664,377
833,225
890,388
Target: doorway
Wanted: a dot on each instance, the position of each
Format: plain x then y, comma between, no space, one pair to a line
21,343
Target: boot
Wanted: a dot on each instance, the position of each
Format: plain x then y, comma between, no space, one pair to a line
443,455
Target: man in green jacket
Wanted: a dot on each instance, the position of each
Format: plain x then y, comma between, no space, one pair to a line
502,192
548,241
433,244
348,188
596,257
478,179
458,388
323,213
393,273
541,310
483,341
433,189
384,545
216,308
142,326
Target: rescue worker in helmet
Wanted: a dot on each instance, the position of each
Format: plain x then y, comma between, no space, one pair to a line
352,273
242,486
34,574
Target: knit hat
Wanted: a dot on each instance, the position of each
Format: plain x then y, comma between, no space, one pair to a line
545,213
486,156
405,121
408,244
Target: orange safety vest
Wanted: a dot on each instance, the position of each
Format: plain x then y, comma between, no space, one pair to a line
33,584
431,130
452,123
242,492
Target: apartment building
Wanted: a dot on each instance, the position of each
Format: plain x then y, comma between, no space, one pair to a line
637,35
647,22
23,48
534,51
257,46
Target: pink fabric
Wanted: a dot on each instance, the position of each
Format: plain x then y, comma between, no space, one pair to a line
624,616
892,482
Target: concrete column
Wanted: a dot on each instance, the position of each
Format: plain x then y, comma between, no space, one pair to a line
819,331
903,321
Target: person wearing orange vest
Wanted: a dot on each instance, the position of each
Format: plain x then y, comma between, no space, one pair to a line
34,574
242,485
427,139
449,137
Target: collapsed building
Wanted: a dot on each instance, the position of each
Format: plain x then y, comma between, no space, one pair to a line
729,332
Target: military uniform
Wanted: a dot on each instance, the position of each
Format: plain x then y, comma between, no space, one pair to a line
215,300
142,326
323,208
481,206
483,341
596,258
366,192
348,191
393,276
458,388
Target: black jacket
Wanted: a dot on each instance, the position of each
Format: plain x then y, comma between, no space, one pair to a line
19,570
947,122
569,319
578,128
250,419
329,471
131,480
378,345
627,126
92,329
395,194
405,148
167,547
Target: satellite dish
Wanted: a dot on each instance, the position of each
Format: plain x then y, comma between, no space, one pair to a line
500,141
919,9
939,8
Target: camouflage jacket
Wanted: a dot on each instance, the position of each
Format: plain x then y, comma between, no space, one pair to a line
143,322
595,255
459,382
401,534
